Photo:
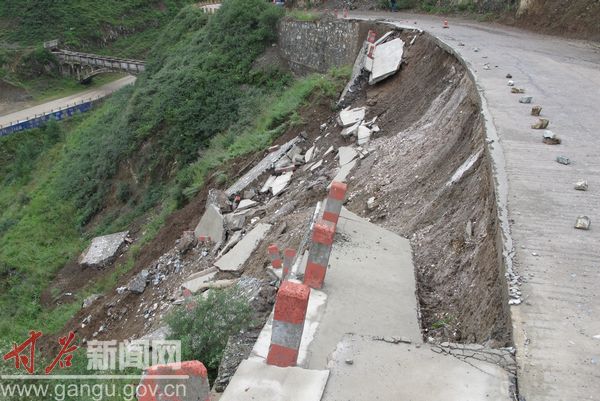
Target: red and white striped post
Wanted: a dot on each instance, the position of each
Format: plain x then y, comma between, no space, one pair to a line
288,259
275,256
318,255
156,385
335,200
288,324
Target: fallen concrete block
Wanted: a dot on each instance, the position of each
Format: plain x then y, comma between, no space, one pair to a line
581,185
234,221
364,135
267,185
211,224
103,250
348,117
536,111
350,131
234,259
246,204
346,154
281,183
563,160
550,138
387,60
541,124
583,223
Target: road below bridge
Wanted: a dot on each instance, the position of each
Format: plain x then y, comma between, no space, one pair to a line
47,107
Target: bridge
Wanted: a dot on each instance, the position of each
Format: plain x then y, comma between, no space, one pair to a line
84,66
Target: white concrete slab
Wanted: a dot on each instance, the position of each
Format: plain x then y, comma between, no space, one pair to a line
198,283
363,136
102,251
346,154
246,204
367,369
234,260
281,183
349,116
309,154
386,60
254,380
211,224
344,171
268,184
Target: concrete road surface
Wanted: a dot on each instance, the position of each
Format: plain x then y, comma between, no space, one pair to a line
557,327
102,91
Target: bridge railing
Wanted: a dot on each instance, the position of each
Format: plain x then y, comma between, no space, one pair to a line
39,119
100,61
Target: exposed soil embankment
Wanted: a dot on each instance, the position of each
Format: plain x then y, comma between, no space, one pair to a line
430,116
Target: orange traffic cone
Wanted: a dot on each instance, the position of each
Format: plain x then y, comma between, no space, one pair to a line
446,24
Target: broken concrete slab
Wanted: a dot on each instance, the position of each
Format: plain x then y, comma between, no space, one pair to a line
583,223
378,370
316,165
211,224
328,151
255,380
386,60
196,284
138,283
219,199
350,131
234,260
344,171
284,164
265,164
234,221
281,183
249,193
268,183
103,250
348,116
364,135
235,238
346,154
309,154
246,204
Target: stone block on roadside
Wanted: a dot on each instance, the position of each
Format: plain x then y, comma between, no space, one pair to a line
517,90
348,117
211,224
581,185
103,250
550,138
536,111
563,160
541,124
583,223
526,99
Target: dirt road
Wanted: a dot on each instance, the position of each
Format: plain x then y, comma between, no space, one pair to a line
556,328
102,91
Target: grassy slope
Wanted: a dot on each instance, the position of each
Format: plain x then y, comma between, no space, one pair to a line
54,181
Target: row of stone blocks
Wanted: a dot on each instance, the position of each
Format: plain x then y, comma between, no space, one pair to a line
292,298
